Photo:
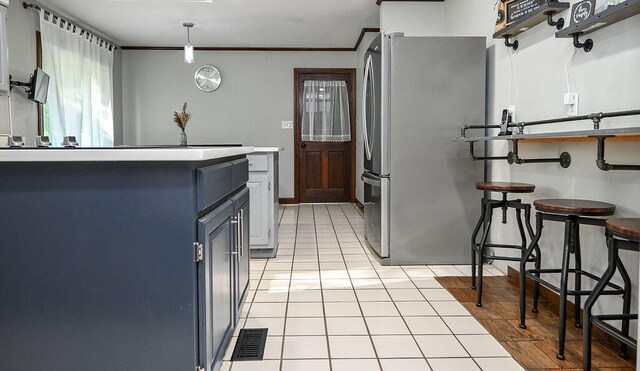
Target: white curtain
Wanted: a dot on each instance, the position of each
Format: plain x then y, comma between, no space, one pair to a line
80,100
325,116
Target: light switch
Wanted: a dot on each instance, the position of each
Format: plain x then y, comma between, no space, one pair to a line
287,124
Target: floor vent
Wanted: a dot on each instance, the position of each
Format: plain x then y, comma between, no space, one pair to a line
250,345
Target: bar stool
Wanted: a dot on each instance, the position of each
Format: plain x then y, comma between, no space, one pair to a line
479,251
572,213
622,234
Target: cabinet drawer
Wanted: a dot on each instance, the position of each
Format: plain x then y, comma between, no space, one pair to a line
214,182
258,163
240,172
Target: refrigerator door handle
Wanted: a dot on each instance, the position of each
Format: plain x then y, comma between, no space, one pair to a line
368,78
370,179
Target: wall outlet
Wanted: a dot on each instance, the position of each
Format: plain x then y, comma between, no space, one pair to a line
287,124
572,100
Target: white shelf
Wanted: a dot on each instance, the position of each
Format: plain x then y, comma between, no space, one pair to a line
562,134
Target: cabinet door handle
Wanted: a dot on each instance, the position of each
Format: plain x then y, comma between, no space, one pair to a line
236,222
241,232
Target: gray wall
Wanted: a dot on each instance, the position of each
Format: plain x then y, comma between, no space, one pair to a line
255,96
413,18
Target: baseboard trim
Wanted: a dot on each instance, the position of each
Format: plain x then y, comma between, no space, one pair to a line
288,201
554,299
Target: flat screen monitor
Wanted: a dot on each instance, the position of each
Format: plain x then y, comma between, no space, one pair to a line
39,86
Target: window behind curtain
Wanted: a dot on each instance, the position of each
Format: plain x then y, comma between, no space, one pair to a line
80,101
325,116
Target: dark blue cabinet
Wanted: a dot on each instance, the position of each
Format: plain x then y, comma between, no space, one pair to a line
114,278
241,261
223,274
215,283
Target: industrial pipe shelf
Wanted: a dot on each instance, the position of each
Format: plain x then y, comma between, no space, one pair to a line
542,14
628,131
597,134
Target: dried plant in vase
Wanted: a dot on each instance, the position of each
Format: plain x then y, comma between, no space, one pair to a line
182,119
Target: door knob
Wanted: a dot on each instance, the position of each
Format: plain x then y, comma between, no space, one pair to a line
303,145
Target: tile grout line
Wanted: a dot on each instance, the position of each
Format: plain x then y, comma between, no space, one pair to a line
375,350
264,269
429,303
393,301
332,212
324,312
286,311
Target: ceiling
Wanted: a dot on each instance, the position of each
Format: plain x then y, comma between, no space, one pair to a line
226,23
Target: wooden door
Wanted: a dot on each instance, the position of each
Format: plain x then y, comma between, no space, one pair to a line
325,171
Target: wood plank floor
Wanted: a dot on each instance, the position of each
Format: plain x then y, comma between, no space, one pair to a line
534,348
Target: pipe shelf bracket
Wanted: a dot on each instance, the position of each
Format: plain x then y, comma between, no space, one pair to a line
586,46
483,158
513,45
602,163
514,158
559,23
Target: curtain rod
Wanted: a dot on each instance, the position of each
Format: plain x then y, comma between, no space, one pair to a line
37,7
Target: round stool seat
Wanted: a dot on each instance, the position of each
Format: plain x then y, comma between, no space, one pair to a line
575,207
626,227
505,187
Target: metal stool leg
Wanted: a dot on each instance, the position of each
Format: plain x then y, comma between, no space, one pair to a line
626,303
523,267
483,241
566,257
578,276
537,263
474,247
523,237
588,305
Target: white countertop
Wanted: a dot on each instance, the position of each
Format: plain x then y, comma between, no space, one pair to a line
120,154
268,149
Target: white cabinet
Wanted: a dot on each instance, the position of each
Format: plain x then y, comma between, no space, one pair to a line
263,188
260,206
4,49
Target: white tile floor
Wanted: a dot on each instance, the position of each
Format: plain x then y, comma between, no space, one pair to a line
329,305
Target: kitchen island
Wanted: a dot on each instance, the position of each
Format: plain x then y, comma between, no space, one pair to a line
121,259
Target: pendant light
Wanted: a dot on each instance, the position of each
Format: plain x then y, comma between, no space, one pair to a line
188,48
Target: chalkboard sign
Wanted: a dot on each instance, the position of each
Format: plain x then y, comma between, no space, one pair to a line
521,8
582,10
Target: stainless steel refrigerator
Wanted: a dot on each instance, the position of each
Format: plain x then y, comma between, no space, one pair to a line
420,201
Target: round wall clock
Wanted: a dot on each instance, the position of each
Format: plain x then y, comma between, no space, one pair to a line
208,78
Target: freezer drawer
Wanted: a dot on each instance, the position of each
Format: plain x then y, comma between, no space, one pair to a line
374,218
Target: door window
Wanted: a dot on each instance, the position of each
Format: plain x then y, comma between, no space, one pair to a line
325,115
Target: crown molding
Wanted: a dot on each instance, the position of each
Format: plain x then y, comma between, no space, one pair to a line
362,33
256,49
